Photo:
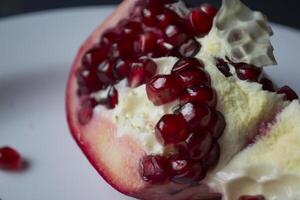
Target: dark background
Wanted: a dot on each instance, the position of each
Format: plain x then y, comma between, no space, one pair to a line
286,12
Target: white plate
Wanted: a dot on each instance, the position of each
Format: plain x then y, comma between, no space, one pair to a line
36,52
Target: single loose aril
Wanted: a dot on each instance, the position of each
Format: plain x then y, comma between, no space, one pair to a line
10,159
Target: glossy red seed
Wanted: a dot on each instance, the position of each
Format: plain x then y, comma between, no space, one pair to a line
105,72
112,98
267,84
216,125
289,93
149,15
183,169
122,68
193,76
197,115
166,18
88,81
175,35
131,29
171,129
223,67
209,9
158,2
10,159
94,56
125,49
155,169
146,43
199,144
163,49
162,89
211,159
110,37
254,197
189,48
248,72
193,173
200,22
185,63
142,70
199,93
85,113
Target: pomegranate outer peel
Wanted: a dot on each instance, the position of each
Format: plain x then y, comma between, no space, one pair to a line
116,159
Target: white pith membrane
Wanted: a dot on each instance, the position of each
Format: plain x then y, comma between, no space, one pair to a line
271,166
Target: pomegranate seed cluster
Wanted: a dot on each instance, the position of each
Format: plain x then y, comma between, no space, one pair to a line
252,73
192,130
126,51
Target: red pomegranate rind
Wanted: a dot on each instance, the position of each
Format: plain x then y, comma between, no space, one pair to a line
249,197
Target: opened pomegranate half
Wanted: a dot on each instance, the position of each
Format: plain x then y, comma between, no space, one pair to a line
118,73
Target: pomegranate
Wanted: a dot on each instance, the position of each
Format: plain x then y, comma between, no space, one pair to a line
10,159
124,49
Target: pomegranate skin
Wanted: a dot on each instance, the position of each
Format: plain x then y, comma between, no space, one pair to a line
129,150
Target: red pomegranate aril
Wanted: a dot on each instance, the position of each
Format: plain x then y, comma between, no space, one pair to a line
94,56
223,67
162,89
185,63
175,35
142,70
146,43
211,159
110,37
166,18
131,29
155,169
216,125
197,115
112,98
122,68
193,76
163,49
267,84
200,22
189,48
125,48
182,169
193,173
289,93
248,72
199,144
105,72
171,129
158,2
199,93
85,113
10,159
209,9
88,81
254,197
150,14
